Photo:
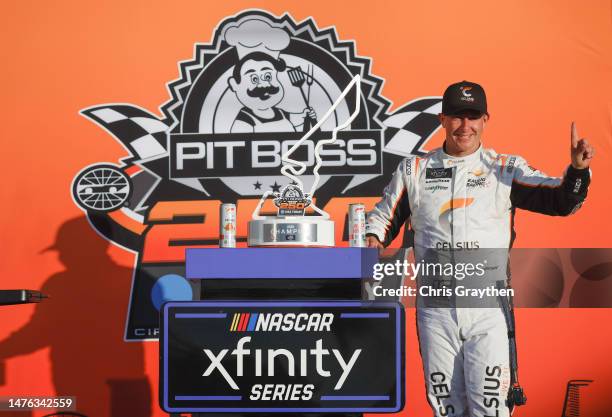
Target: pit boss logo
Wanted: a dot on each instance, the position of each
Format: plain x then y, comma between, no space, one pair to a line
242,100
282,356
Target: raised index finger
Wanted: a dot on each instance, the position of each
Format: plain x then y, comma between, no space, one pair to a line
574,136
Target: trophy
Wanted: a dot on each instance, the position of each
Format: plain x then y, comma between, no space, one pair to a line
291,227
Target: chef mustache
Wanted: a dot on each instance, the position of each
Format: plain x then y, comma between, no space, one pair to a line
263,93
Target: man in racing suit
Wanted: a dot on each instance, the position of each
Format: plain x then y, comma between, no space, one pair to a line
458,197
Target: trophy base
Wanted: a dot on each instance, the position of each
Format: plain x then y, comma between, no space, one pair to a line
291,232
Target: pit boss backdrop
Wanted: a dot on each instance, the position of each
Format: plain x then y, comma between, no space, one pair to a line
127,125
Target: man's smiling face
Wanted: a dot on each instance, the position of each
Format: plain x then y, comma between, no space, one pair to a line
463,131
258,87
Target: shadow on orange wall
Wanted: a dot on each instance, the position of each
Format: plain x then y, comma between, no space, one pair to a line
82,323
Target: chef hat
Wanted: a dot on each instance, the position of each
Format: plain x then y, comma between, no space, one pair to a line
255,35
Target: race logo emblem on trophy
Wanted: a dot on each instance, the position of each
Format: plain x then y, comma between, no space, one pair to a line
292,201
252,98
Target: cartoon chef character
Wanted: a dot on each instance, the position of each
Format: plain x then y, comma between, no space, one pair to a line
255,79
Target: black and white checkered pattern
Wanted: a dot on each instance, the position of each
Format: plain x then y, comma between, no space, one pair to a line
141,132
408,128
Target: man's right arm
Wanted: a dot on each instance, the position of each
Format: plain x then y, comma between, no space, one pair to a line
534,191
392,211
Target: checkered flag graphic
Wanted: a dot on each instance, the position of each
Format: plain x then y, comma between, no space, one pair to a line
409,128
141,132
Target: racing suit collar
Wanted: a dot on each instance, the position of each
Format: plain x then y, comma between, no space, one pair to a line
450,160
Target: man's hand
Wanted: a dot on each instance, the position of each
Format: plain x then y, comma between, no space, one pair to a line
582,152
373,242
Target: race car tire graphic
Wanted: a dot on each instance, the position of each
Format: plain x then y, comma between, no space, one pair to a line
102,188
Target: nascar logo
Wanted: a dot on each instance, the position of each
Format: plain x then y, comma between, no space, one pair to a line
275,322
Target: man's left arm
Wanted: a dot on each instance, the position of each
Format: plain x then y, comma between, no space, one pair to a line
535,191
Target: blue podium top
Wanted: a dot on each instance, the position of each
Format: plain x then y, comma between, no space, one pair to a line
291,263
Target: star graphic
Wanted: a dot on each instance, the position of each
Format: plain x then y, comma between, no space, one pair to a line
275,187
257,185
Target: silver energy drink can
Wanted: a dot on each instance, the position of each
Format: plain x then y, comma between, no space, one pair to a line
227,234
357,225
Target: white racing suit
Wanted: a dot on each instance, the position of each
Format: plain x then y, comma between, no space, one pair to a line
456,204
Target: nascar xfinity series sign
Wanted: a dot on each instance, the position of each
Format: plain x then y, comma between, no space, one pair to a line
282,357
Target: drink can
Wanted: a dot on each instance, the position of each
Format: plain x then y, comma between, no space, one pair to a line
227,234
357,225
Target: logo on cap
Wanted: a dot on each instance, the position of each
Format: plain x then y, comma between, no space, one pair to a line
466,95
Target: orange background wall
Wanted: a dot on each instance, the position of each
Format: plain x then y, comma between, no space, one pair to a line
542,63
